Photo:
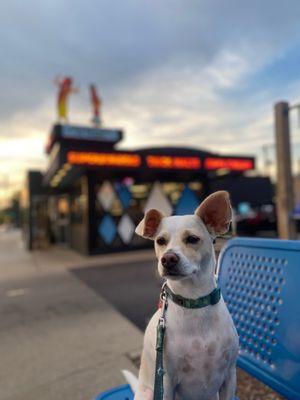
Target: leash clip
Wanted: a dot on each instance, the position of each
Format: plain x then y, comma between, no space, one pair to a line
162,322
163,294
164,305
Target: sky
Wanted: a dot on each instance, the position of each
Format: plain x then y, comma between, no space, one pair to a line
202,73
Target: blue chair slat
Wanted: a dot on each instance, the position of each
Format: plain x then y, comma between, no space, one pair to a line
123,392
260,282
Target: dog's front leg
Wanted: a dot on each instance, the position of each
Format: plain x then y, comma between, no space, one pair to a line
146,376
144,393
228,387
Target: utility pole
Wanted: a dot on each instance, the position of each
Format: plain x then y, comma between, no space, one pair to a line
285,188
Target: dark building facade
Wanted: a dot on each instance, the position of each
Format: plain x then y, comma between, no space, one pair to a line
94,195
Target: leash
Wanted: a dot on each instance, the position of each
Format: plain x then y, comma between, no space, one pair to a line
160,336
211,299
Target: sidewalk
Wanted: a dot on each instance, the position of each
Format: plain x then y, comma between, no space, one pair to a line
58,339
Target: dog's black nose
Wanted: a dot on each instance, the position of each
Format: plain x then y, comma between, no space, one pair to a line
169,260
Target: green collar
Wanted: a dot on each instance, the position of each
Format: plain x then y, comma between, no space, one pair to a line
211,299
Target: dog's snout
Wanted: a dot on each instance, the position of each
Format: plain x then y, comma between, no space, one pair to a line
169,260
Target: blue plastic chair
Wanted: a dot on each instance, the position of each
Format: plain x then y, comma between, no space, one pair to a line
260,282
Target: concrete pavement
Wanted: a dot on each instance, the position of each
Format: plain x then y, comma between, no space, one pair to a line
58,339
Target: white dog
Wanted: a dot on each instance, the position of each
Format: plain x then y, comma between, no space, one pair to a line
201,344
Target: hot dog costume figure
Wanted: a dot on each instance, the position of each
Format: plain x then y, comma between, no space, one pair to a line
65,89
96,104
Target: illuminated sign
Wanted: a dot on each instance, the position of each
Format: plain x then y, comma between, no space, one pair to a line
233,164
173,162
104,159
87,133
82,134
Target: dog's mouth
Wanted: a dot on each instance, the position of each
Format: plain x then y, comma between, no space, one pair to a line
172,274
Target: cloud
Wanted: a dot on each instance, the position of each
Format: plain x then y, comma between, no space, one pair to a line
116,42
170,72
188,106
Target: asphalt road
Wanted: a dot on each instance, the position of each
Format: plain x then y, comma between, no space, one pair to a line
133,289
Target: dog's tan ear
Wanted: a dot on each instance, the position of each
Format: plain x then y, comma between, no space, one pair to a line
215,211
149,224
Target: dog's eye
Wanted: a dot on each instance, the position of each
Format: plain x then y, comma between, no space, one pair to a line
192,239
161,241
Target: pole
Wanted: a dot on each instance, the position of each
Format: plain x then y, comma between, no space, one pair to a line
285,190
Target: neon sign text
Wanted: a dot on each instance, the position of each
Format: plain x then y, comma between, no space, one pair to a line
233,164
104,159
169,162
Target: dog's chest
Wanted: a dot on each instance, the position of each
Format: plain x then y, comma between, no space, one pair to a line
200,346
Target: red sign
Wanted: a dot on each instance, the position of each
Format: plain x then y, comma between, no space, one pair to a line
104,159
233,164
173,162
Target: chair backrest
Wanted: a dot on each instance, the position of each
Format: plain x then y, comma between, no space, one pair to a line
260,282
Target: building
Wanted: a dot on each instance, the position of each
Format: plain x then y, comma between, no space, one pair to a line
92,195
